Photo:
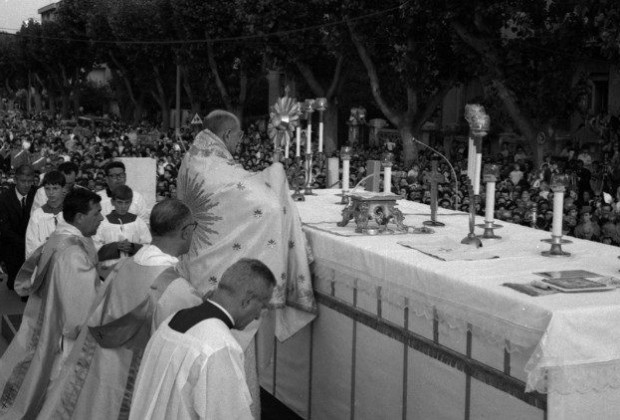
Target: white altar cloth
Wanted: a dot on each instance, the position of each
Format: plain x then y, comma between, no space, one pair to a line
571,342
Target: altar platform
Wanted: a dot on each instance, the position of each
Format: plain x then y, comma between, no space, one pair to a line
402,334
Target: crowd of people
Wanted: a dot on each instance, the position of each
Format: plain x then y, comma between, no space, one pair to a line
143,337
523,195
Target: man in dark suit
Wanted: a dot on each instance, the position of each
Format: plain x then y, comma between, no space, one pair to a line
15,206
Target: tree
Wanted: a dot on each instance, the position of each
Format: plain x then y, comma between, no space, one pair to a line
408,56
526,58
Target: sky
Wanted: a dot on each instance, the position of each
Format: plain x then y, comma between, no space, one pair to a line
14,12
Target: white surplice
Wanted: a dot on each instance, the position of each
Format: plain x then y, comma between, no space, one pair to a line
62,282
98,377
40,226
195,375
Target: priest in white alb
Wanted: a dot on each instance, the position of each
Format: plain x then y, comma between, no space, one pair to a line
97,380
193,366
62,283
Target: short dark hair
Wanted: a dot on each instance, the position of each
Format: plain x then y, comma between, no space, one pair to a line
122,192
68,167
54,178
78,201
167,216
24,170
112,165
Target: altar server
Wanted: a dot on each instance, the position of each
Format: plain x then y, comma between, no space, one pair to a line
115,176
97,380
61,281
193,366
121,233
43,221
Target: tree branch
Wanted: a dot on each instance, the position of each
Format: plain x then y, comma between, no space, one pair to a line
308,74
331,91
216,74
390,114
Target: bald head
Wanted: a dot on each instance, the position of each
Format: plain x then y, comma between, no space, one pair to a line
168,216
226,126
245,290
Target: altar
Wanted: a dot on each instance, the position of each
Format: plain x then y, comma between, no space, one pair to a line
403,334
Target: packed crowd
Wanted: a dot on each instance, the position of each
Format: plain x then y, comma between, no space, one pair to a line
523,194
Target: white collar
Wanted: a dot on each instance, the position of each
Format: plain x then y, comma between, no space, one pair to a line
65,228
19,195
151,255
223,310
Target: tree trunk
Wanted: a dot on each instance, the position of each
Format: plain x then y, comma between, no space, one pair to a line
194,100
65,104
52,103
331,129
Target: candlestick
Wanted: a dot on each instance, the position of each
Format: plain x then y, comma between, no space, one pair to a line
345,154
387,179
435,178
345,174
309,138
286,147
386,161
491,174
558,186
298,141
321,106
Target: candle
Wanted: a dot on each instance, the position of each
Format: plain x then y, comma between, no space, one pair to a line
387,180
345,174
489,214
309,138
558,204
321,126
288,140
298,141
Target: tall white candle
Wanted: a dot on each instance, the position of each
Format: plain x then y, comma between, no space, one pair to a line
309,138
345,174
321,127
489,211
558,204
288,141
298,141
387,179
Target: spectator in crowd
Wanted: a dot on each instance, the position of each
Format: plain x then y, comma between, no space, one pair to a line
15,205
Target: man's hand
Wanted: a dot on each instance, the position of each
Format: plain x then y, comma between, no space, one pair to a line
124,246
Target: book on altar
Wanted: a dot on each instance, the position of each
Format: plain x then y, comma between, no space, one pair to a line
568,274
577,284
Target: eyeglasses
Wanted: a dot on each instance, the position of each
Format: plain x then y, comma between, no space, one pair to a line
117,176
192,226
